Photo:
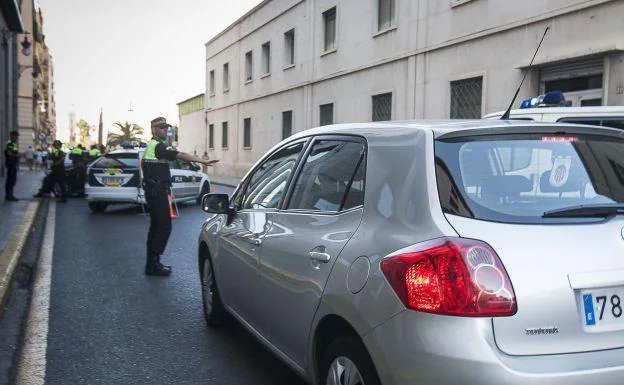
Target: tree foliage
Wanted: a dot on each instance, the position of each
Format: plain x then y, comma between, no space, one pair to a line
85,133
129,132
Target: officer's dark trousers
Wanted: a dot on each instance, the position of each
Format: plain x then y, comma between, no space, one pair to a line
56,176
11,179
160,221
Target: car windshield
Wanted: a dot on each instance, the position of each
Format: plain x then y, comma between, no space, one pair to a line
121,160
519,178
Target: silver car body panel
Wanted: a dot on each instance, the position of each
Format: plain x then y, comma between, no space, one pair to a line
540,271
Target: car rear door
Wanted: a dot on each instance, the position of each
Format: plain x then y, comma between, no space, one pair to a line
303,241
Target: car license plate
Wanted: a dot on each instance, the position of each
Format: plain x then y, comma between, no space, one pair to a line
603,309
112,181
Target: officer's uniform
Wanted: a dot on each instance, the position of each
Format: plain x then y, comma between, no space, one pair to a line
79,175
11,161
58,175
94,153
157,183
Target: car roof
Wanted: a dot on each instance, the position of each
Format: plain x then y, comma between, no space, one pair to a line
125,151
571,111
450,126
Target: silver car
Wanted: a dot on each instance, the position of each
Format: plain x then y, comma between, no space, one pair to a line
442,252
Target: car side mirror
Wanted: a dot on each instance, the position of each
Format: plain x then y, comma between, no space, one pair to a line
216,203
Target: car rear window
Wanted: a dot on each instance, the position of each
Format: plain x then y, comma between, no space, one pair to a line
124,160
517,178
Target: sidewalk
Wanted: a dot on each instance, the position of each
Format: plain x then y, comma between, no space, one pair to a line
16,219
224,181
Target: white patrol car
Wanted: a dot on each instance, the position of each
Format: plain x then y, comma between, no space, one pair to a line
116,178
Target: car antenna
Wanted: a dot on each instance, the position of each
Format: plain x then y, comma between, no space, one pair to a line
506,114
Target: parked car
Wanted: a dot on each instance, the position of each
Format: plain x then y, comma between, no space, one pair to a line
116,177
459,252
607,116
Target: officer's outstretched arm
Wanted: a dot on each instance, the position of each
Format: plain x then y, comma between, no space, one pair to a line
191,158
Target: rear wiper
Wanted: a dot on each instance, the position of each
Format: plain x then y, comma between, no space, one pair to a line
599,210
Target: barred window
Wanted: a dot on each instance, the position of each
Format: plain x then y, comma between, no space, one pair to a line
226,76
224,134
329,21
266,58
385,14
289,47
382,107
326,114
248,66
211,136
466,97
286,124
247,133
212,82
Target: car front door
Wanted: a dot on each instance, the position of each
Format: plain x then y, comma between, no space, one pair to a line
241,240
178,180
305,239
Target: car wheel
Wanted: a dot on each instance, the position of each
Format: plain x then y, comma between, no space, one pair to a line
97,207
214,311
346,362
57,190
204,190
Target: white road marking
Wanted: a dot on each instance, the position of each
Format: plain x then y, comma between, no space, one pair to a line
32,366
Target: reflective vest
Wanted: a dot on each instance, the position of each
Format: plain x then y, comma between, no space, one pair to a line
76,151
154,169
94,152
12,145
11,160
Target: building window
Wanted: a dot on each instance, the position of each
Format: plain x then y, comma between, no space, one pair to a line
226,77
466,97
382,107
289,47
385,14
266,58
287,124
247,133
212,82
248,66
224,134
329,22
211,136
326,114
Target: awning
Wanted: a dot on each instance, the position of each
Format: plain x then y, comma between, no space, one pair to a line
12,16
548,58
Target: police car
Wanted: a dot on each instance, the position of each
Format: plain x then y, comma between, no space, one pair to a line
116,178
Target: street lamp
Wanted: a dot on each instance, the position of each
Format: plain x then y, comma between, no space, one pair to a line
26,45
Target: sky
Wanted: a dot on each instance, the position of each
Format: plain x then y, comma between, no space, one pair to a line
147,54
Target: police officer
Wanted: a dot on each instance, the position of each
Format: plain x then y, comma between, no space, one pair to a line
57,175
157,182
11,161
94,152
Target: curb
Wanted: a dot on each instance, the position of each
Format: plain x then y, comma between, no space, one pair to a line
13,251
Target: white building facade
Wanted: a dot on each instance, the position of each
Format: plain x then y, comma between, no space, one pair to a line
192,130
289,65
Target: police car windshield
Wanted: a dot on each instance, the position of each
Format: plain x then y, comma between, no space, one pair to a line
518,179
121,160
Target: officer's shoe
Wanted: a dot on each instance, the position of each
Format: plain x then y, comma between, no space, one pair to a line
167,267
156,269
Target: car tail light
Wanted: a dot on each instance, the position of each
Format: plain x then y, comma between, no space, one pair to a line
453,276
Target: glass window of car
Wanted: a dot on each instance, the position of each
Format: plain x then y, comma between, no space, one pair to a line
330,177
267,183
120,160
519,178
613,122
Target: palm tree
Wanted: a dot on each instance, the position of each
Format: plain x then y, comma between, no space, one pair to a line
130,132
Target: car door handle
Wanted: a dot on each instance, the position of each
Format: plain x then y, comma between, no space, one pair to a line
321,257
254,241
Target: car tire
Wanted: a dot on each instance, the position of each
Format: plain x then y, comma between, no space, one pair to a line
205,189
214,311
56,189
347,358
97,207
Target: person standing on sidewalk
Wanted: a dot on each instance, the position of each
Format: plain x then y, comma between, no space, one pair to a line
11,161
157,183
57,175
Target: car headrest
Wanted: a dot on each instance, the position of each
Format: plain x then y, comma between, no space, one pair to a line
574,182
505,186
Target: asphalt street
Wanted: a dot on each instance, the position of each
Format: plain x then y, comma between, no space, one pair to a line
111,324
